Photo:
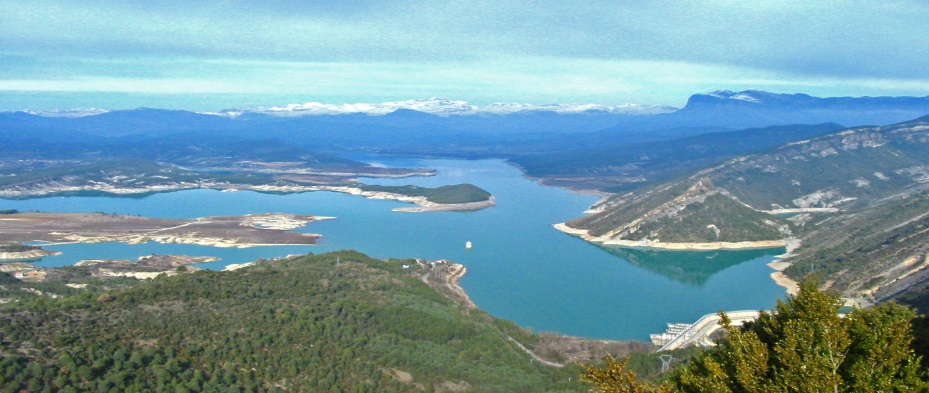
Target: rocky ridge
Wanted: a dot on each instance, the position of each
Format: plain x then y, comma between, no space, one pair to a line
854,200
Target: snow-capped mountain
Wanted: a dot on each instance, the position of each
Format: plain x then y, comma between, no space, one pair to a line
442,107
747,95
75,112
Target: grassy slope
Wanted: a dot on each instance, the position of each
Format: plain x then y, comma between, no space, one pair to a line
684,221
304,324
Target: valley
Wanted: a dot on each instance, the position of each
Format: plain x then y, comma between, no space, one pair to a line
698,212
464,197
520,267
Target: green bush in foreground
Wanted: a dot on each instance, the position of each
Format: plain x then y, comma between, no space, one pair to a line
804,346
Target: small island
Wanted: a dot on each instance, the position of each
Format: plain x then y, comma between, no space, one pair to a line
136,177
457,197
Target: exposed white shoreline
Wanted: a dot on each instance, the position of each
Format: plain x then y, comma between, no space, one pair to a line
26,255
424,204
791,285
781,279
748,245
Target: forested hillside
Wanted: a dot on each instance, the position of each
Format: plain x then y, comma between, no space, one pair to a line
337,322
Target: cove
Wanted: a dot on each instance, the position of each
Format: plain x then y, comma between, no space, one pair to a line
520,268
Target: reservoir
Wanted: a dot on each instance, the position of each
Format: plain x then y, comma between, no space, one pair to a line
519,267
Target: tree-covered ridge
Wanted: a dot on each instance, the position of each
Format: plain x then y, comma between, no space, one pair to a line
450,194
339,322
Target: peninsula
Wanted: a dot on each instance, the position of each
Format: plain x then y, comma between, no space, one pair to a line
233,231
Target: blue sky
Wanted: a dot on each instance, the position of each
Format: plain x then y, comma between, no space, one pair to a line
212,55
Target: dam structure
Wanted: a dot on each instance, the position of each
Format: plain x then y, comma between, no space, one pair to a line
682,335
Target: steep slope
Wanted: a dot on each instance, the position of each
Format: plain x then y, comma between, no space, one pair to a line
856,198
625,163
843,170
875,253
846,169
332,322
682,212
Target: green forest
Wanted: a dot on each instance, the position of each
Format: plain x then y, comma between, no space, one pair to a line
344,322
336,322
450,194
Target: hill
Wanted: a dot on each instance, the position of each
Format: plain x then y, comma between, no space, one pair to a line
680,213
855,198
333,322
612,163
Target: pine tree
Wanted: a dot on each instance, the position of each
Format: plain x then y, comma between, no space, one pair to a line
803,346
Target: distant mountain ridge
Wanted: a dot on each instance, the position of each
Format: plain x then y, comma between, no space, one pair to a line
798,100
755,108
450,107
442,107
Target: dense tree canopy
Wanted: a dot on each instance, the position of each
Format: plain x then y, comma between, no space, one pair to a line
803,346
336,322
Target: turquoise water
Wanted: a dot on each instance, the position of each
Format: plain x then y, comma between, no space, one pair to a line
520,267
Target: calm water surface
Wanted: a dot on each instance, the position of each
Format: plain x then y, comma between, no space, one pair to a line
520,268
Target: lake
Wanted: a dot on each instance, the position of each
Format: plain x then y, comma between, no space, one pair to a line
520,268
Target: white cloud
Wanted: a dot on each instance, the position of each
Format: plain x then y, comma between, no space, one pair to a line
507,79
120,85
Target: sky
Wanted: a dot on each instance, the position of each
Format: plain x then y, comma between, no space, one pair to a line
212,55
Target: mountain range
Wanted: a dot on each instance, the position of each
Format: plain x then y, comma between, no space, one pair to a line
714,170
724,109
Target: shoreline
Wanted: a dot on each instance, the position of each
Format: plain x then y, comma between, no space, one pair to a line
671,246
790,285
457,271
252,230
424,204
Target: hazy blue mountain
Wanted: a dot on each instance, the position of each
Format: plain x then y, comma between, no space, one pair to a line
481,134
754,108
617,164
